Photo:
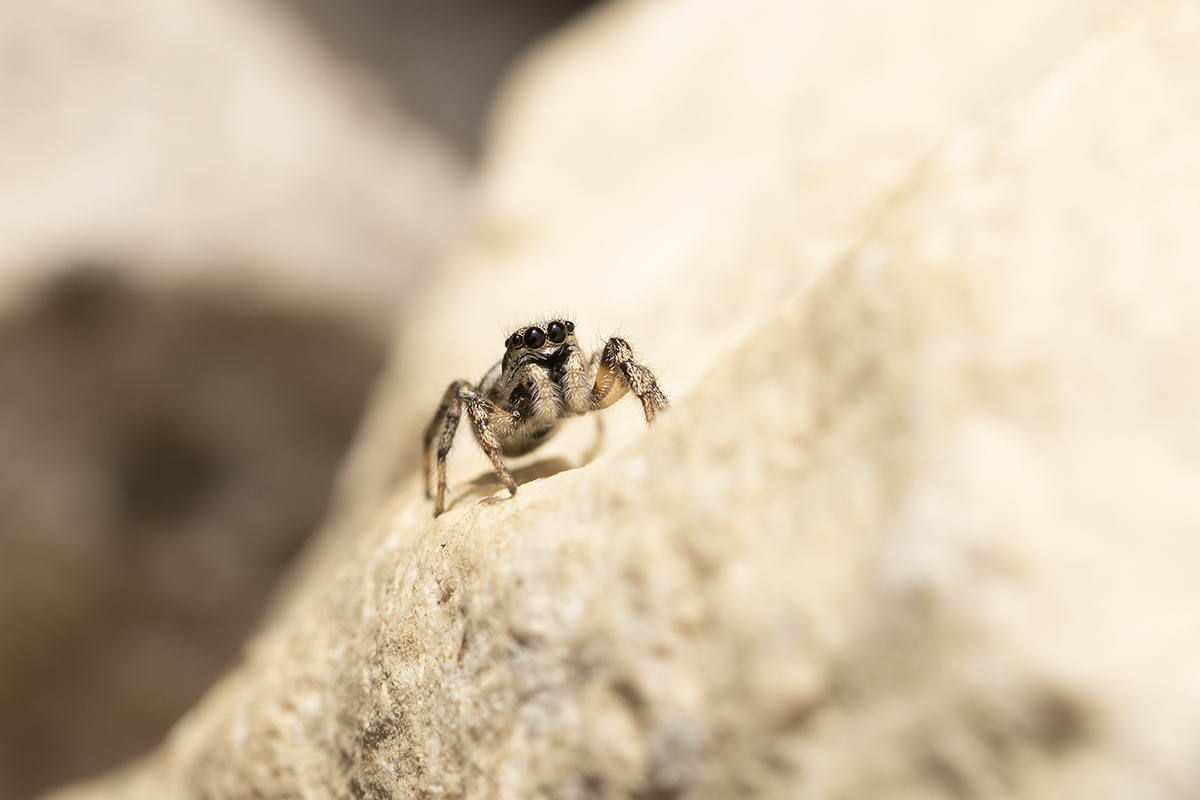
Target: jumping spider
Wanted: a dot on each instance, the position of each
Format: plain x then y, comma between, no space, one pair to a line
519,403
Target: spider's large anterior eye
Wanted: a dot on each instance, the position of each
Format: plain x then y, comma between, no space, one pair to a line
535,337
570,326
556,332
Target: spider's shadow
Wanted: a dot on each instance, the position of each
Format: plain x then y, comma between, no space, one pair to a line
489,483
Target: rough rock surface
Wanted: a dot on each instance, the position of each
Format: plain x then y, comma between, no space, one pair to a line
206,227
677,169
923,519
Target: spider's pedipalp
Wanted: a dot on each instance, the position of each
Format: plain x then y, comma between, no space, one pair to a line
617,373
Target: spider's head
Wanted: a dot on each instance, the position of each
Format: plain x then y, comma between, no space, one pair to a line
541,337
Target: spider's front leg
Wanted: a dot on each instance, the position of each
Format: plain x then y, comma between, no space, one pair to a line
618,373
489,422
443,426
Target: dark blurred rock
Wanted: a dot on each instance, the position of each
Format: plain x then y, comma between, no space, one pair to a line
162,456
442,61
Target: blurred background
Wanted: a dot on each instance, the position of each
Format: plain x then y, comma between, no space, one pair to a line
211,213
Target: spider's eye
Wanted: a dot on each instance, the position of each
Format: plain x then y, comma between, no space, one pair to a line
513,341
535,337
570,326
556,332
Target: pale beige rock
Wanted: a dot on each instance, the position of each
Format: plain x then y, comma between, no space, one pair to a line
926,530
675,169
206,227
211,141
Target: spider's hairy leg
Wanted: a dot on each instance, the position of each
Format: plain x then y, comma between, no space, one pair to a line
544,405
443,426
618,373
491,424
576,384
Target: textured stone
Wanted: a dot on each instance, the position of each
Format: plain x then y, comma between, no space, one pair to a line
922,523
675,169
206,228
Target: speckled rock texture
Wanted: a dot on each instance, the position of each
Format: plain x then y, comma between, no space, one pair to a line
207,225
922,521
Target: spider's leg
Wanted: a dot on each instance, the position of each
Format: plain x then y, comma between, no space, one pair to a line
545,404
618,373
443,426
577,382
491,424
449,399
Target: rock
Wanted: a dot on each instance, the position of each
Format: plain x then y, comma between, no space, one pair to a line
206,229
922,519
165,455
440,61
675,170
211,141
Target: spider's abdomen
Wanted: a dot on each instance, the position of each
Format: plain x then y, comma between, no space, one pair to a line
527,440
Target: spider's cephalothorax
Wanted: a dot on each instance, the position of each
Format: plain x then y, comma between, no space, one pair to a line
542,378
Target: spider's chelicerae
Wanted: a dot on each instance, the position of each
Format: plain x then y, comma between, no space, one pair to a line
542,378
